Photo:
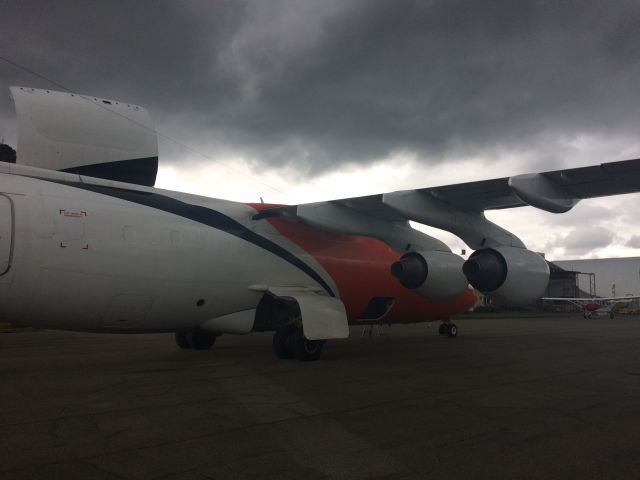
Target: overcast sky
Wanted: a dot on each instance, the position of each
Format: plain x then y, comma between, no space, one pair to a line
302,100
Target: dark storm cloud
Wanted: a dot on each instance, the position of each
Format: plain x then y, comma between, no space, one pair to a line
319,84
152,51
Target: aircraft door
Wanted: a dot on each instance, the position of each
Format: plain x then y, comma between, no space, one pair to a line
6,233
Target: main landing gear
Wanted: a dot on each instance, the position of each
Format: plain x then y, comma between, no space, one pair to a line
447,328
196,339
290,342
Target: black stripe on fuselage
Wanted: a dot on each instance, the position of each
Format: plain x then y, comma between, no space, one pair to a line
141,171
203,215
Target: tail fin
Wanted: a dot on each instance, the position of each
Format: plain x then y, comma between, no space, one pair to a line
85,135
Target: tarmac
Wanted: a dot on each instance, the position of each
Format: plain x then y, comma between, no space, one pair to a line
525,398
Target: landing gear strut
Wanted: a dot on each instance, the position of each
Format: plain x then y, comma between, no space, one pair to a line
196,339
447,328
290,342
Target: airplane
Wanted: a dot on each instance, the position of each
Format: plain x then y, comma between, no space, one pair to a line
595,306
88,243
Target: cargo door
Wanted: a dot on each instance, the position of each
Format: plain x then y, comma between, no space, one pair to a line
6,233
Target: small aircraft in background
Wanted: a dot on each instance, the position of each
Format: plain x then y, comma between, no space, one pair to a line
596,306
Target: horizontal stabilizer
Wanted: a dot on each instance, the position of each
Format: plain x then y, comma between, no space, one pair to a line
85,135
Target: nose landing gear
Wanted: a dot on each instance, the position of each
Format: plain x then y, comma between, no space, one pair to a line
447,328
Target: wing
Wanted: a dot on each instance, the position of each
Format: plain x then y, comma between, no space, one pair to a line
459,208
592,299
553,191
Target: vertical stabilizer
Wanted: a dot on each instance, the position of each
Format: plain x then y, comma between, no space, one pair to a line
85,135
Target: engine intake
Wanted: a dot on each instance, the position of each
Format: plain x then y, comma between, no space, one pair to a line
411,270
486,270
434,275
511,276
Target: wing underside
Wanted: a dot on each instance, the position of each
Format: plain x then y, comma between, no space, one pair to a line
459,208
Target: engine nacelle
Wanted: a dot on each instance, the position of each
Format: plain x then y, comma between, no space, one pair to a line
511,276
434,275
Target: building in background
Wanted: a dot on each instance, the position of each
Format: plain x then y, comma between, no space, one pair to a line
603,277
562,283
613,277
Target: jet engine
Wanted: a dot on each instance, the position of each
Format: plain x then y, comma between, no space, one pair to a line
434,275
511,276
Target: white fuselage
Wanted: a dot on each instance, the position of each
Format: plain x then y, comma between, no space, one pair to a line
84,260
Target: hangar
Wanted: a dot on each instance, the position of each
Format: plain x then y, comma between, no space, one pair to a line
612,277
587,278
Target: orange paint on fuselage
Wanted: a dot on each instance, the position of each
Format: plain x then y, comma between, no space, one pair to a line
360,267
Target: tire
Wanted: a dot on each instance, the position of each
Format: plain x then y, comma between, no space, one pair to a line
611,315
181,340
201,340
452,330
305,350
282,342
442,329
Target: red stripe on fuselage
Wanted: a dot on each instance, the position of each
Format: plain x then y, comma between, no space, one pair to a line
360,267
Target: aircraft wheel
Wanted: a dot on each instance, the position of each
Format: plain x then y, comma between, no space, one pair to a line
452,330
282,342
181,340
442,329
303,349
201,340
